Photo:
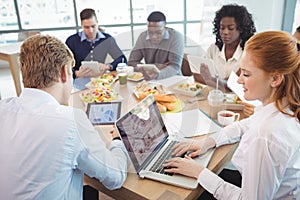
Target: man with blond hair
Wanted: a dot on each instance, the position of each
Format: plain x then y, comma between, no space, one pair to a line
46,146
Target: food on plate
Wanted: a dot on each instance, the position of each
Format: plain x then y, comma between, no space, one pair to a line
165,100
190,86
136,76
99,94
190,89
105,78
109,77
169,105
161,107
231,98
144,88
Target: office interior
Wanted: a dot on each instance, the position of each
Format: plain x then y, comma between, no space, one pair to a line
192,18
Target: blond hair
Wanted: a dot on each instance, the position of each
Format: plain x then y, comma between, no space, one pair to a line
42,59
278,51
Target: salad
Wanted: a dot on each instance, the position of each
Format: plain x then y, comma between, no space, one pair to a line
102,93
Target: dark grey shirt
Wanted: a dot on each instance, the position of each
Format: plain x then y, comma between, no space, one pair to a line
170,49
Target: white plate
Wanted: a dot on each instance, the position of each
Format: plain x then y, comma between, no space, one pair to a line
189,89
90,85
92,98
151,86
135,79
230,102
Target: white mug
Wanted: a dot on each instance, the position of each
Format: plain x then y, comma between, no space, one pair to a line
226,117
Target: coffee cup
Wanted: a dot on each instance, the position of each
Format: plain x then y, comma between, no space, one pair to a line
226,117
216,102
130,70
122,73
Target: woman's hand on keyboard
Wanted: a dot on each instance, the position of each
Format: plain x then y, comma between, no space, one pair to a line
185,166
193,147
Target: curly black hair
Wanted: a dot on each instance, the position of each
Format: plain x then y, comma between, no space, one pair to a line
242,18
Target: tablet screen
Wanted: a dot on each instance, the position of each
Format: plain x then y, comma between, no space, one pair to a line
93,65
148,67
103,113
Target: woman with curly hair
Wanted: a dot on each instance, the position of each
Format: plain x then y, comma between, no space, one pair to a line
233,26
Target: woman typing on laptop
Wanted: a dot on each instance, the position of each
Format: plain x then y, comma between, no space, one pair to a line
268,156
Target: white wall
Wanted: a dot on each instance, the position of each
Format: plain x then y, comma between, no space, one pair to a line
267,14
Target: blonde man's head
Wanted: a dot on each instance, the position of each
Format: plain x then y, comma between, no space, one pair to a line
42,59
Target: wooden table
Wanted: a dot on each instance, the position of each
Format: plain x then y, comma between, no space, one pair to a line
10,53
136,188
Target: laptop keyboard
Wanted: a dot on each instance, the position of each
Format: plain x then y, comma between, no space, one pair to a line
157,167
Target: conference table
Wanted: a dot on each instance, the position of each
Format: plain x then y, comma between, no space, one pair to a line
137,188
10,53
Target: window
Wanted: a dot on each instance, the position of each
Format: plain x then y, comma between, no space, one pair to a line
8,17
123,19
46,14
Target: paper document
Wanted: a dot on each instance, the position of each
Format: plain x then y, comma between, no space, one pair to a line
238,89
195,63
190,123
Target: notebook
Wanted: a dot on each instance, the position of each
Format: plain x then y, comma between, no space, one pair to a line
103,113
146,139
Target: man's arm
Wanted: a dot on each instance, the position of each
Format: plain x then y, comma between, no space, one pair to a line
116,53
136,54
109,166
175,56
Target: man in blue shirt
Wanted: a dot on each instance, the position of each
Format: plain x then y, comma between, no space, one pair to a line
93,45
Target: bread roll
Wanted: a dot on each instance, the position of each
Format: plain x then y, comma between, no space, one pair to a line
168,105
164,98
161,107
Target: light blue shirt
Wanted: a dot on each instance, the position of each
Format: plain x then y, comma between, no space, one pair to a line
83,37
45,149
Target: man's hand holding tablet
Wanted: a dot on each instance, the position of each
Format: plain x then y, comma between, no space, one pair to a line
91,69
150,71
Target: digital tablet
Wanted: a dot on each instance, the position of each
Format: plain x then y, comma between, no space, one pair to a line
104,113
148,67
93,65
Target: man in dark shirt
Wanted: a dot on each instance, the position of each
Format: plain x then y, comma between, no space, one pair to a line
93,45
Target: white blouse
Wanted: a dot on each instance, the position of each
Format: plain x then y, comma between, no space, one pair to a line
223,66
268,157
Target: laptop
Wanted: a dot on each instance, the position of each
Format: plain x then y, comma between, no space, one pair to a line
147,142
103,113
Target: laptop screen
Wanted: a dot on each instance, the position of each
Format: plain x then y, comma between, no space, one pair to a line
103,113
142,131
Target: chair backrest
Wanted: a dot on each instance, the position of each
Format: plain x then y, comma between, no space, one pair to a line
185,66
